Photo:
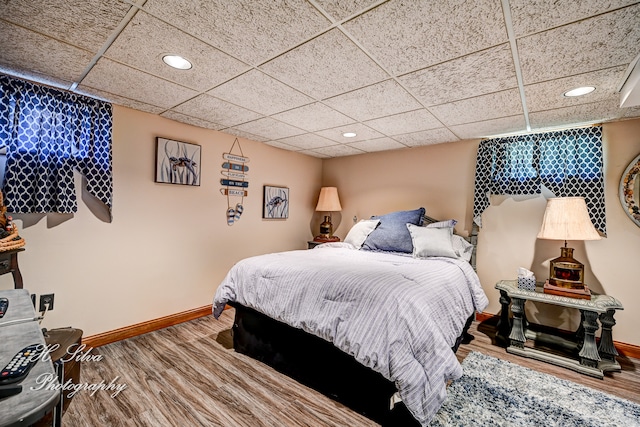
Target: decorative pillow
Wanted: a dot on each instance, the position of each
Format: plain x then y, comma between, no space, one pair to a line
443,224
360,231
462,247
430,242
392,234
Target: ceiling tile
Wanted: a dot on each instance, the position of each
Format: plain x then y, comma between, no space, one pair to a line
183,118
503,125
630,112
261,93
362,132
145,40
426,137
250,31
379,144
412,121
408,35
242,134
481,108
33,55
490,70
377,100
314,154
113,77
532,16
325,66
340,9
338,151
307,141
549,95
282,145
86,24
117,99
601,42
577,114
215,110
314,117
269,128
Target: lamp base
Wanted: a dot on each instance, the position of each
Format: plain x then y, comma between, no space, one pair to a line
326,238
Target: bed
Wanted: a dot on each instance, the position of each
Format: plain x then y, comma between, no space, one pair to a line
373,322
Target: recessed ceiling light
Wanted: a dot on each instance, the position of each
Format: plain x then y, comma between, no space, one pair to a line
177,61
579,91
349,134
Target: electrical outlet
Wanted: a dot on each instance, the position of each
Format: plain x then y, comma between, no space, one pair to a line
44,299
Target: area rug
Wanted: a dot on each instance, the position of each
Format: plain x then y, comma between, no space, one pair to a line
494,392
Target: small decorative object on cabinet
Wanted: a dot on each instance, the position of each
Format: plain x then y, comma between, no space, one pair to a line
581,353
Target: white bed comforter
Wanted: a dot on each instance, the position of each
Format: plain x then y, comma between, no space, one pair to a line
397,315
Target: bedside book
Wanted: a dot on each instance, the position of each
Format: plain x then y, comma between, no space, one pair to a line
567,292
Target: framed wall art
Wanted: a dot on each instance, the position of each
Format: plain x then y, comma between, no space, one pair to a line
177,162
275,202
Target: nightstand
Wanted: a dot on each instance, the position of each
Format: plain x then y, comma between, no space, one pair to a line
9,264
582,353
312,244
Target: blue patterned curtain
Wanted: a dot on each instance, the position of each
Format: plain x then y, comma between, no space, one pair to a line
49,133
568,163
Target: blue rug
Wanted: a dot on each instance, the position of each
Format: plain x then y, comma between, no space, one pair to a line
494,392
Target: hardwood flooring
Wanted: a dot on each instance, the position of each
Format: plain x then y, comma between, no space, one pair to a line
188,375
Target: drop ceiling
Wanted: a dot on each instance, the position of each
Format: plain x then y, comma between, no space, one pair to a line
297,74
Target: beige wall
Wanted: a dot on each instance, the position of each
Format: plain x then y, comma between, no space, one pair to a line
168,246
441,178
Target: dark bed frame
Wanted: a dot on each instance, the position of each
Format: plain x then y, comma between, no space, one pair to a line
320,365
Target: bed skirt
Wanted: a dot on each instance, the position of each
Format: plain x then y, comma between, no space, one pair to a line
320,365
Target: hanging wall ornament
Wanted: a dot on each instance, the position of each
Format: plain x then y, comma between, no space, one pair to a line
235,182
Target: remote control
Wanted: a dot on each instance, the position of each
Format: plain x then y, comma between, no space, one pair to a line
4,304
20,365
9,390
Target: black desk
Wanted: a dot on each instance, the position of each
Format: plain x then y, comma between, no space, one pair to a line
33,402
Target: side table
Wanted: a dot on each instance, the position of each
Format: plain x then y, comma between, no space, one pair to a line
591,359
9,264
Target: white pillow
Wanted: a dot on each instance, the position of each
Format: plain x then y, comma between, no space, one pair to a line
360,231
462,247
430,242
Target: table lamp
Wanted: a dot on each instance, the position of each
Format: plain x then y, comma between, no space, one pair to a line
327,202
567,218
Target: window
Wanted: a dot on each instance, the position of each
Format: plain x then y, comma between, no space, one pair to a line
48,134
568,163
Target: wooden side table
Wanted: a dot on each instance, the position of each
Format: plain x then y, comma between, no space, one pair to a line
9,264
312,244
591,359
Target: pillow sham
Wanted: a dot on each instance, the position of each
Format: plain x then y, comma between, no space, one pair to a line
443,224
462,247
360,231
392,234
431,242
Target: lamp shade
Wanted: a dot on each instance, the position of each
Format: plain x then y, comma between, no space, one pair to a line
328,200
567,218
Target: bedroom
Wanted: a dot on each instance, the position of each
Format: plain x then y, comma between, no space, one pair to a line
168,247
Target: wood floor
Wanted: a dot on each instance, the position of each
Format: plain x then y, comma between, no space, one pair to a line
188,375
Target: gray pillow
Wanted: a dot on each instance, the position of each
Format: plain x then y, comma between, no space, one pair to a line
392,234
431,242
